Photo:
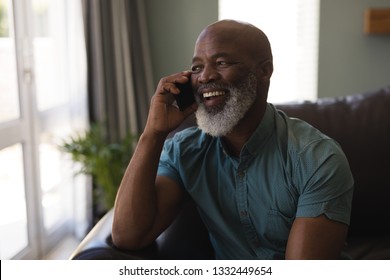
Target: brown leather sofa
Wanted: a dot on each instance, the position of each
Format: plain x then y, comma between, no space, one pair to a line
360,123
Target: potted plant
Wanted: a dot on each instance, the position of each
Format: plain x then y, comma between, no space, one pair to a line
105,162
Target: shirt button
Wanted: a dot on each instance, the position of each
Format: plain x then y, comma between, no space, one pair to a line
243,213
241,174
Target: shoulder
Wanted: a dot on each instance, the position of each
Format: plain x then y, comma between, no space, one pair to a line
303,137
309,151
189,140
315,160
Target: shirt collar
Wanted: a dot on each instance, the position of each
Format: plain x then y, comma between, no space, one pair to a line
262,133
260,136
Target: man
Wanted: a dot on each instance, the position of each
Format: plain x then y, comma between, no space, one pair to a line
267,186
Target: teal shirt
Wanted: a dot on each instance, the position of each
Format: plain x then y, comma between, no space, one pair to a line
287,169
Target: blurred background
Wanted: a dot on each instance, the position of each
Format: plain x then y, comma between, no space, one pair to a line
66,65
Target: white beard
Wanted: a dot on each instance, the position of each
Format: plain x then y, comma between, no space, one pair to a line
220,121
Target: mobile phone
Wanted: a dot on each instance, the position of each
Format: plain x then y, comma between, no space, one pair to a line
186,97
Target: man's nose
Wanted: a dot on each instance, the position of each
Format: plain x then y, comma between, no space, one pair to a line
208,74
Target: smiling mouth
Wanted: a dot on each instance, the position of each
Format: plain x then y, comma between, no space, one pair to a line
208,95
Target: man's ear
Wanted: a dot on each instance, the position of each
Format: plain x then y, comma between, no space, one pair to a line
265,69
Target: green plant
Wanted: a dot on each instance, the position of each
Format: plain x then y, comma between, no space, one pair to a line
4,32
105,162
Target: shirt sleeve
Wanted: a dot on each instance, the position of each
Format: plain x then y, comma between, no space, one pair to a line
169,162
324,182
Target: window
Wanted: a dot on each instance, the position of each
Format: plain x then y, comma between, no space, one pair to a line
43,99
8,79
292,27
12,200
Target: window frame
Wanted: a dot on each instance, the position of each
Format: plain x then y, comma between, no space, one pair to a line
32,124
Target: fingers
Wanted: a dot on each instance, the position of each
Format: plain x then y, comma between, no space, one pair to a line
168,84
164,115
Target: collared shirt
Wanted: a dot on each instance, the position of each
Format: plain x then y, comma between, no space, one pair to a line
287,169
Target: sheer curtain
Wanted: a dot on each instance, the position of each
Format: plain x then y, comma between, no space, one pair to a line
120,82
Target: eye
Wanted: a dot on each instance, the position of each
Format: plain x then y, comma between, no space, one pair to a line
196,68
222,63
225,63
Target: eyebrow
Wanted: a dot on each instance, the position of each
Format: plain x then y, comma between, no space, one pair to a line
214,56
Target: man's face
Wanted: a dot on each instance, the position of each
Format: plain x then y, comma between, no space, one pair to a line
225,86
221,118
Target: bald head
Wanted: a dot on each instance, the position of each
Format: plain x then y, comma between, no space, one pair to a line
246,37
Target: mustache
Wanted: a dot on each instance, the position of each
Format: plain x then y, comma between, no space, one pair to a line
211,86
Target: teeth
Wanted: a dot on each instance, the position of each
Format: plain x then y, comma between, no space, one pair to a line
213,93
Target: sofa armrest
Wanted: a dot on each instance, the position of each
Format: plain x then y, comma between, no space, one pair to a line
185,238
97,245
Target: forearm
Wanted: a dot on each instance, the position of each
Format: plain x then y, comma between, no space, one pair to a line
136,201
316,238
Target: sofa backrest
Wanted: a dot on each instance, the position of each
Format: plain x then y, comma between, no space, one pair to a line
361,124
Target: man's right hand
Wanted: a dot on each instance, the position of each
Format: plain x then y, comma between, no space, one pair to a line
163,115
145,204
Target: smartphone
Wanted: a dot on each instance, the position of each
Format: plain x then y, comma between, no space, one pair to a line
186,97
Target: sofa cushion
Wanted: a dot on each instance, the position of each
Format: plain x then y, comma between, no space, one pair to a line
368,248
